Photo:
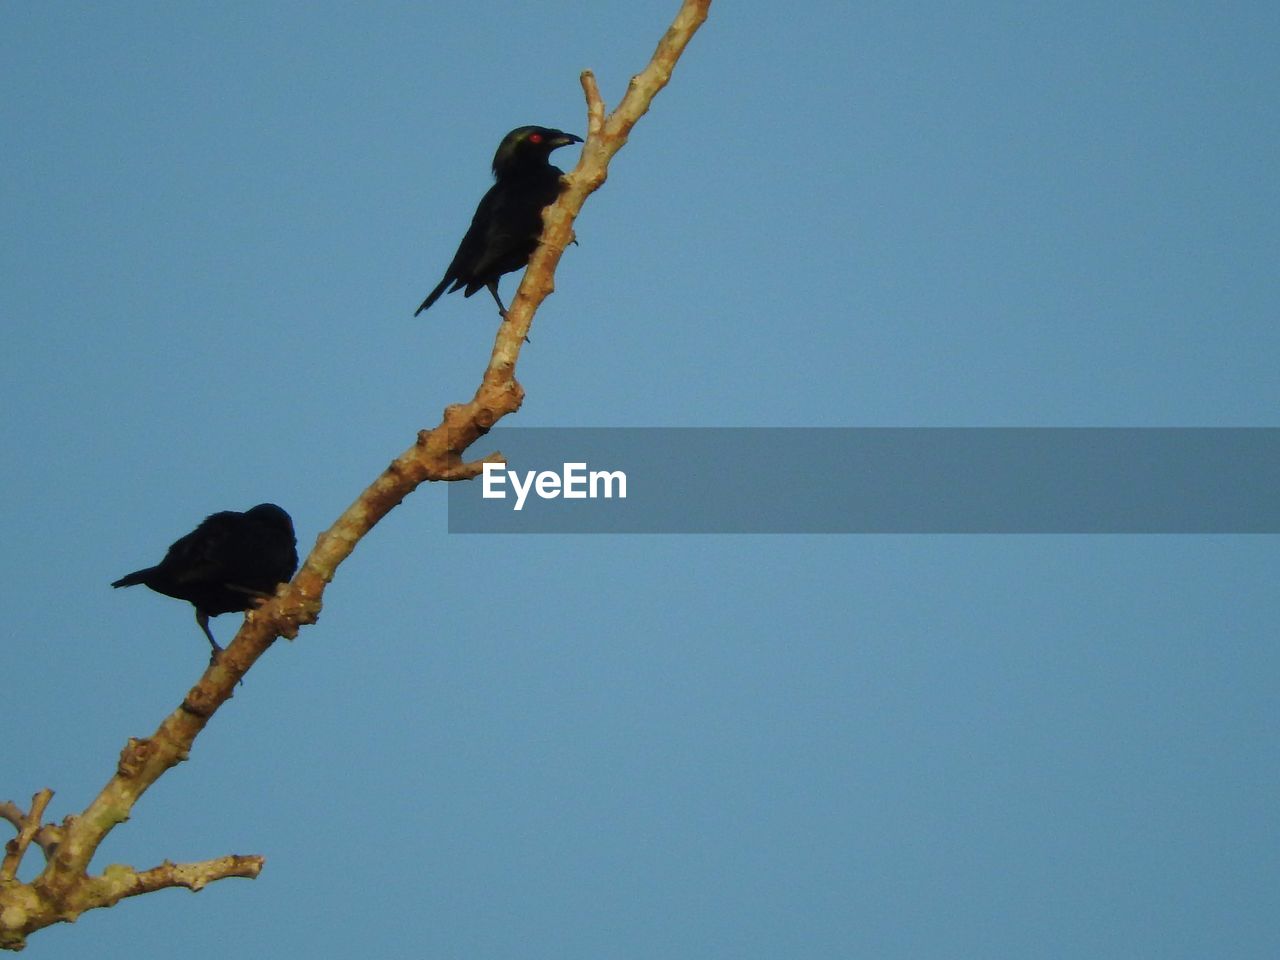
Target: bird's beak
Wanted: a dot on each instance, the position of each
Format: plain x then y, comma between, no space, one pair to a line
564,139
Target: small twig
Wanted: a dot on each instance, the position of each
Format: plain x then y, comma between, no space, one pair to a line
28,826
47,837
118,881
13,813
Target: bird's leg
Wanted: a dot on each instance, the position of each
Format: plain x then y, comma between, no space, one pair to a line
492,287
502,311
202,618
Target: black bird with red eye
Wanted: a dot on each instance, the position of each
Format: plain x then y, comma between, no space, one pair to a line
505,229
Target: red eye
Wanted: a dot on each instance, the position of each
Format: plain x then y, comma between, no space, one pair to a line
535,138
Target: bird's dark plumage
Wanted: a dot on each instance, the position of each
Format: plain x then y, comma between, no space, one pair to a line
228,563
505,229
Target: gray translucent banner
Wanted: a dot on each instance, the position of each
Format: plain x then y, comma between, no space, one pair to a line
877,480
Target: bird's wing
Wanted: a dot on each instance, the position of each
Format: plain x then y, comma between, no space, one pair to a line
461,267
200,556
471,251
511,229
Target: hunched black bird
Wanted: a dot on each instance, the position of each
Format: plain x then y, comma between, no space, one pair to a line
505,229
232,561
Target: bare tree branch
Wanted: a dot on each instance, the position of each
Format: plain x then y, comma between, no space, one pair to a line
118,881
64,889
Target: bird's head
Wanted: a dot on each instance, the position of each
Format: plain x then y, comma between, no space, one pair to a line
528,147
269,515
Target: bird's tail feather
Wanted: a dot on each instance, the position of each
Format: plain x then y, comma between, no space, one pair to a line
434,295
131,579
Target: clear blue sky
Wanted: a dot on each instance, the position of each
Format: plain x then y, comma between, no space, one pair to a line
220,219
